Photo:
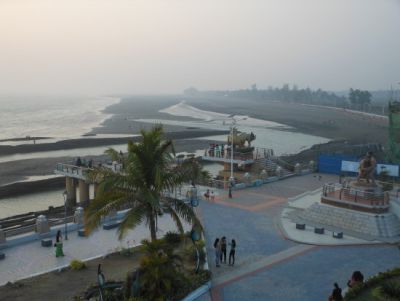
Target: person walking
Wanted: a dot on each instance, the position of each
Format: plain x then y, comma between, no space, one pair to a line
223,249
207,195
232,252
59,245
212,196
217,248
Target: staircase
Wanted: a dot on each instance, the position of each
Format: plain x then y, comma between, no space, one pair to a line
379,225
270,165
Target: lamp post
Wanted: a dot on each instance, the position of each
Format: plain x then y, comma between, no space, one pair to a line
65,194
231,179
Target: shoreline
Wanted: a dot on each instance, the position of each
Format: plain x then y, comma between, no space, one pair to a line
347,130
6,150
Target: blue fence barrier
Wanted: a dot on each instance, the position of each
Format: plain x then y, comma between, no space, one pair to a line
333,163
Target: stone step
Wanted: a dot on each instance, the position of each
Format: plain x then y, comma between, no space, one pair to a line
387,225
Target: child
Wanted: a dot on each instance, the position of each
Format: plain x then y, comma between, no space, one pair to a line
212,196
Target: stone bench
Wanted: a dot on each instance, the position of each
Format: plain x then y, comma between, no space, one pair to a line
47,242
2,256
338,235
319,230
301,226
111,225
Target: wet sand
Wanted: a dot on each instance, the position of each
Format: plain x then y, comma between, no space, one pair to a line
334,124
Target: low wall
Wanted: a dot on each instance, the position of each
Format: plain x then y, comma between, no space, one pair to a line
21,188
200,291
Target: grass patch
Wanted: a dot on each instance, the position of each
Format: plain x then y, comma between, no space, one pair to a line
77,265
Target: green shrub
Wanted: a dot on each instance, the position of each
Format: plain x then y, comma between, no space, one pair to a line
389,290
190,251
77,265
378,279
126,252
173,238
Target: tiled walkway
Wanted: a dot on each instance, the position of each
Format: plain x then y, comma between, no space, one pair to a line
270,267
31,258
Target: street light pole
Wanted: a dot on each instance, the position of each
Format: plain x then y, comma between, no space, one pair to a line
232,179
65,193
233,123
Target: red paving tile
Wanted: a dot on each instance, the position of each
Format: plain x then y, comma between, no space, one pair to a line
266,203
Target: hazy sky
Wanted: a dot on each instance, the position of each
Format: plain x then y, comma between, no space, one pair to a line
152,46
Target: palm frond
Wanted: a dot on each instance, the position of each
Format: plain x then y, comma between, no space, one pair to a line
132,219
168,209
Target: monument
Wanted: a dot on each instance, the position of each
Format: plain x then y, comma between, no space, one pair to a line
362,194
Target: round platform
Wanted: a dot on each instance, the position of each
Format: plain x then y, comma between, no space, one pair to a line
359,196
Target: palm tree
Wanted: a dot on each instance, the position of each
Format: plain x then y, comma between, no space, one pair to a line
160,271
147,172
197,172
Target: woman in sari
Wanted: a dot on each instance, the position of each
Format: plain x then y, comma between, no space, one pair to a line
59,244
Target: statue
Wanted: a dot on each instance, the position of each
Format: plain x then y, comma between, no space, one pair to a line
367,168
240,138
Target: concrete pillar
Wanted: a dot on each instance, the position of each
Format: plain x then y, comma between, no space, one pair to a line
71,192
312,166
247,178
78,216
42,225
263,175
2,236
83,192
279,171
297,169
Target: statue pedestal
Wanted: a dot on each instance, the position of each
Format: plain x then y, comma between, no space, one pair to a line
359,196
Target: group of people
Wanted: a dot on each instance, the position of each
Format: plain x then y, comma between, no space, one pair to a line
356,278
209,195
220,246
217,150
83,162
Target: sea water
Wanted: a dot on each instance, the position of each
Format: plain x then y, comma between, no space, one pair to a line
77,117
59,117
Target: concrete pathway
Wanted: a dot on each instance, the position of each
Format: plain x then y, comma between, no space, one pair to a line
31,258
268,265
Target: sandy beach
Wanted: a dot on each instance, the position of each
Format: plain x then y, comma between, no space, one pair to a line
334,124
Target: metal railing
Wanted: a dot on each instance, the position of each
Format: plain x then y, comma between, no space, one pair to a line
32,228
356,196
79,171
256,153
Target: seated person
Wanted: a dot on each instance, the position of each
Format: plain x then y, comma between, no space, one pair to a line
356,278
367,168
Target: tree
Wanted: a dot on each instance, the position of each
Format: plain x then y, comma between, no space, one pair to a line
359,97
198,174
159,270
147,173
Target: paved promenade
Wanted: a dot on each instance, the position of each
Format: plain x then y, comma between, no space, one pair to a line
31,258
269,266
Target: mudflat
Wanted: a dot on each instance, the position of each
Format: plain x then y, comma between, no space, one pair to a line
320,121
